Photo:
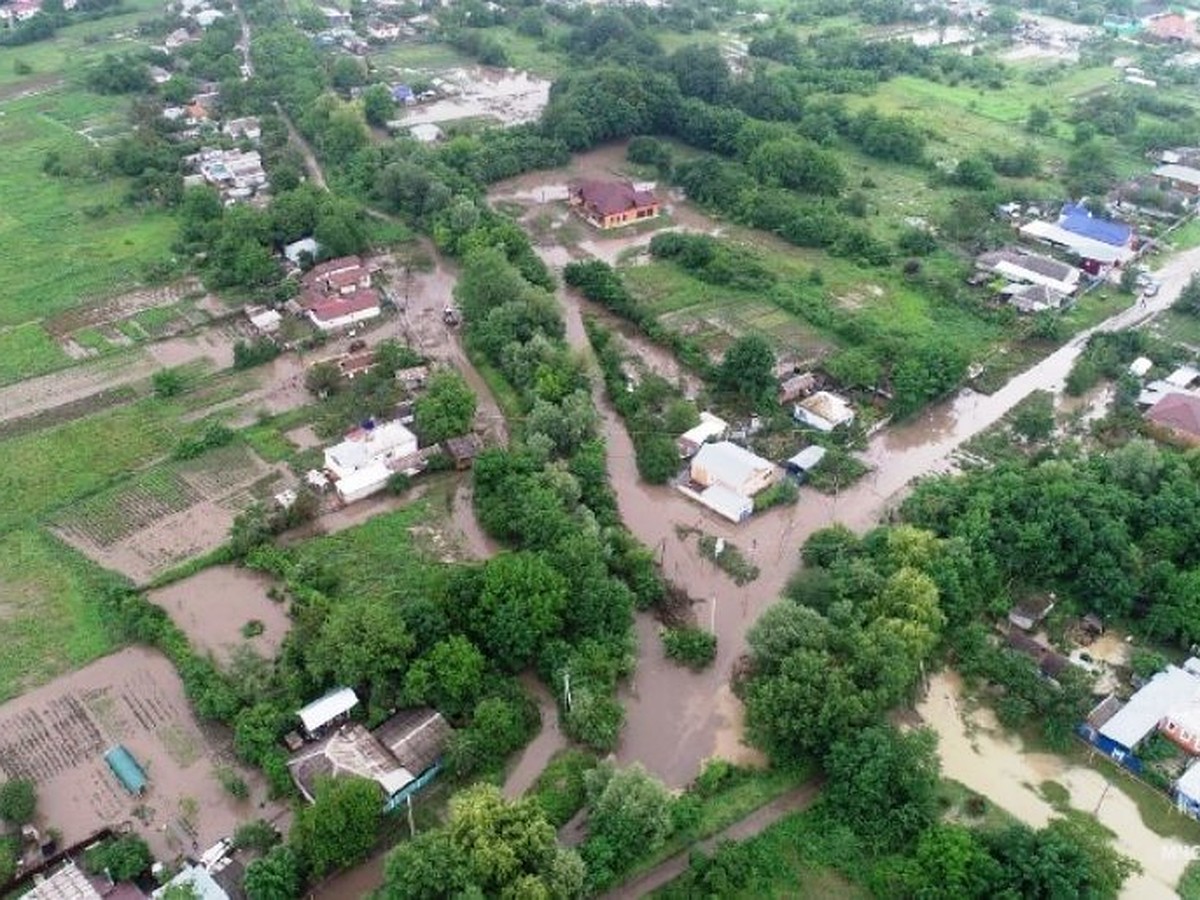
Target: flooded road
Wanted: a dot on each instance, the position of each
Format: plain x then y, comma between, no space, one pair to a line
978,753
677,718
541,749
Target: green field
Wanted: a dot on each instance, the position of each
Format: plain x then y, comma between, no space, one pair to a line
49,623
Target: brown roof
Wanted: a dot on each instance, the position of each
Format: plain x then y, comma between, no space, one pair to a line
1178,412
608,198
464,447
344,306
330,266
795,386
416,737
1172,26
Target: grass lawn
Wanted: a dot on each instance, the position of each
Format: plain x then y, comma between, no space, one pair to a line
382,557
65,240
1177,328
27,350
422,56
48,624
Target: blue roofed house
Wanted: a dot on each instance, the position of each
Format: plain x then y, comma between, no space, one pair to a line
1097,243
1078,219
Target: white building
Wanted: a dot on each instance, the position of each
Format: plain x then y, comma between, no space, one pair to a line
324,710
823,411
710,427
343,311
725,478
362,464
196,881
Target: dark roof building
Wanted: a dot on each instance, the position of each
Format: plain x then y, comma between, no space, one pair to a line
1176,417
610,204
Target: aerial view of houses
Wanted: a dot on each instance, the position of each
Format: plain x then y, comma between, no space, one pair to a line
609,449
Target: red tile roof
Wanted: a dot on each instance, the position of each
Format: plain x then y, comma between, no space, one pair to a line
1179,412
336,307
608,198
1172,27
330,266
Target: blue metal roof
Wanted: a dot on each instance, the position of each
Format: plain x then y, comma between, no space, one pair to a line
402,92
1078,220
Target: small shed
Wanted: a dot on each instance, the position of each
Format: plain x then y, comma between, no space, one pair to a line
333,707
1030,611
127,769
800,465
463,450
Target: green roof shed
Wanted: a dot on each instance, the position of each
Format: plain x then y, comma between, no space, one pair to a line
131,775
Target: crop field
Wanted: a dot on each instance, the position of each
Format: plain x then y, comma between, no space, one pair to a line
48,618
57,735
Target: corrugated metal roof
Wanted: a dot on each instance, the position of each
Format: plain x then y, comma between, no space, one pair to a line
1079,220
325,709
1166,691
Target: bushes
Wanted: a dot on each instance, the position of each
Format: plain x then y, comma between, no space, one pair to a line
247,355
559,789
213,436
715,260
730,559
690,646
121,858
781,493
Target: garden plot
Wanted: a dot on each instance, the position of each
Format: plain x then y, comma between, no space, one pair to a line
57,735
214,607
718,323
170,513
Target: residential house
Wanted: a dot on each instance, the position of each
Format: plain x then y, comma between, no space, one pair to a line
192,881
413,378
1179,178
801,465
725,477
1097,243
265,321
1140,367
178,38
1171,28
401,756
247,128
823,411
1171,689
1187,791
794,387
1022,267
343,275
69,882
1033,298
1176,417
611,204
710,428
206,17
336,18
1181,725
1049,661
362,464
1030,612
327,711
1184,378
351,365
343,310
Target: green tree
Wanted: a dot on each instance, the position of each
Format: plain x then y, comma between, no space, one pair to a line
748,368
950,863
520,606
168,382
378,105
322,379
1033,419
446,409
18,801
1038,121
1189,298
975,172
258,835
275,876
629,816
884,784
364,642
449,676
340,827
121,858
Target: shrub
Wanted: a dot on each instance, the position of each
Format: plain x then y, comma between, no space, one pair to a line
233,783
121,858
247,355
780,493
253,628
18,800
690,646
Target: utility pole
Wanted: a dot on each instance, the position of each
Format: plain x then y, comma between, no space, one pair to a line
567,689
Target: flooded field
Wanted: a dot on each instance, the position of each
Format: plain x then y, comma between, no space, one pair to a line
212,607
57,735
975,751
509,97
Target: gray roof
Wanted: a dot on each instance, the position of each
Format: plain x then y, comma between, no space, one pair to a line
1034,262
416,737
1189,783
1167,690
808,458
730,464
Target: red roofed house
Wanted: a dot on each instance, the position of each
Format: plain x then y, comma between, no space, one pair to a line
611,204
1172,28
343,275
342,310
1176,417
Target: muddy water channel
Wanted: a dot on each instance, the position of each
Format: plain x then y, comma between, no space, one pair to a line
975,751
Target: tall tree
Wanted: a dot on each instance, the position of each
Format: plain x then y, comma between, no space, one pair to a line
748,368
340,827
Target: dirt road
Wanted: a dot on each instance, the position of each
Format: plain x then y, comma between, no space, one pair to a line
537,753
758,821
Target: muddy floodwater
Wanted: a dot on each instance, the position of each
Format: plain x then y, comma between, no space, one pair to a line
505,95
212,607
975,751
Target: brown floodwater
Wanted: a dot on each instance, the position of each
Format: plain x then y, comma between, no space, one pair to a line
508,96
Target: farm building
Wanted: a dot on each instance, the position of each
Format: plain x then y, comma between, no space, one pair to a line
69,882
823,411
725,478
611,204
710,428
794,387
1022,267
1180,178
343,275
328,710
1173,689
1187,791
362,463
402,755
1176,417
127,769
800,465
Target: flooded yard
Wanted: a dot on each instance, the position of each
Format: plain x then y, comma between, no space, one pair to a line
509,97
57,735
214,605
975,751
